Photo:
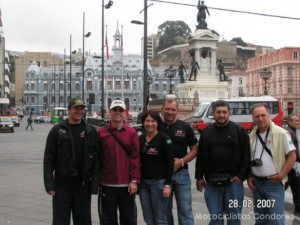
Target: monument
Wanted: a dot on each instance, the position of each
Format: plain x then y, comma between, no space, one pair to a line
207,84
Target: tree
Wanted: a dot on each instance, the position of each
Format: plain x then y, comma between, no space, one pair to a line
239,41
172,33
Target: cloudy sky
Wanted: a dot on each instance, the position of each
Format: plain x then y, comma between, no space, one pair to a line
46,25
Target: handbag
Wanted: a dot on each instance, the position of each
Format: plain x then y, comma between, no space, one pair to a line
219,179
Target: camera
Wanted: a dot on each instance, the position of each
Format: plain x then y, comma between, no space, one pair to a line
256,162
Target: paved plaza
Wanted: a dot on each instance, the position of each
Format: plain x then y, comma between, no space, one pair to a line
23,200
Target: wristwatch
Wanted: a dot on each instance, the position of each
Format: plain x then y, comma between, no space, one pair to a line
134,181
167,186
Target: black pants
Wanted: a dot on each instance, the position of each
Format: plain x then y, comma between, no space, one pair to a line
112,198
75,201
294,182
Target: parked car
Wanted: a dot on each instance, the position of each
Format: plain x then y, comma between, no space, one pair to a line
6,124
16,121
42,119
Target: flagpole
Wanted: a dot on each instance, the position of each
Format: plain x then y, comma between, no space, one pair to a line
122,63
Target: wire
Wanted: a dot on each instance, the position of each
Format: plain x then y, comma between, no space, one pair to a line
230,10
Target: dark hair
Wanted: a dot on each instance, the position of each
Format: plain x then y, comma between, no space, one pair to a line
220,103
154,114
259,105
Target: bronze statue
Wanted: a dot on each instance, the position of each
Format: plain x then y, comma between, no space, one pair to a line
201,16
194,69
221,70
180,69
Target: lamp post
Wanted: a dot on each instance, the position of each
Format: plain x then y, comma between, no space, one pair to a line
145,83
71,52
265,74
170,73
3,70
65,95
83,36
107,6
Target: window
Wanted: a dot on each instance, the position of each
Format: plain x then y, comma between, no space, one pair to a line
134,84
45,100
295,55
32,87
61,87
109,84
126,84
164,87
290,71
240,80
89,85
118,84
77,87
45,86
290,88
240,92
156,87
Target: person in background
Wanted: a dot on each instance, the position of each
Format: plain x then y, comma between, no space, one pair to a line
156,170
29,122
185,150
293,176
273,155
223,163
120,169
71,167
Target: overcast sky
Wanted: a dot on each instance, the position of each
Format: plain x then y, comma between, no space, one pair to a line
46,25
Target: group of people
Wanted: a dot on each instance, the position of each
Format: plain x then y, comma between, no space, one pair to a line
116,164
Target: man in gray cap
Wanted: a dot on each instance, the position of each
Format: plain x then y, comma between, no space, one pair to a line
71,166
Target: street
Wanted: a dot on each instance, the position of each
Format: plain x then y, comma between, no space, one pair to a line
25,202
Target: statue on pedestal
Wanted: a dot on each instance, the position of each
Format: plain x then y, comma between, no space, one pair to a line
201,16
221,70
194,69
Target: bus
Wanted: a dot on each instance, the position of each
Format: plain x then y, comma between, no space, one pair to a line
240,111
58,114
4,103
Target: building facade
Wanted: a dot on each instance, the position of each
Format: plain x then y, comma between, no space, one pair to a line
284,83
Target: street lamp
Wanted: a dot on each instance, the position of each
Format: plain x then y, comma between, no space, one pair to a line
84,35
145,83
265,74
107,6
3,70
170,73
71,52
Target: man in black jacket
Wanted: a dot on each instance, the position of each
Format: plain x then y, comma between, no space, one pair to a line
223,163
294,178
71,166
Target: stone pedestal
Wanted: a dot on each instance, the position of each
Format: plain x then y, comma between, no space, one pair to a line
207,86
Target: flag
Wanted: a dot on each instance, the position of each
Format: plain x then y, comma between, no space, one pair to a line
106,45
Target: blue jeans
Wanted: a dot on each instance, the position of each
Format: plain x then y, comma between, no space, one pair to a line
268,202
154,206
224,201
110,200
181,187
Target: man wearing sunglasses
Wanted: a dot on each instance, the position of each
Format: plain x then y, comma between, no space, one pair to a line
120,168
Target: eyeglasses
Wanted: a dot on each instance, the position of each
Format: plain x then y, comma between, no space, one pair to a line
117,109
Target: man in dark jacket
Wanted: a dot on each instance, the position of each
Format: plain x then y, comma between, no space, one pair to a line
223,163
294,177
71,166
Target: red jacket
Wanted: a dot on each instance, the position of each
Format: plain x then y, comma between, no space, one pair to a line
117,167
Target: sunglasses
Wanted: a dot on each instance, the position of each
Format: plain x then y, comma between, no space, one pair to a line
117,109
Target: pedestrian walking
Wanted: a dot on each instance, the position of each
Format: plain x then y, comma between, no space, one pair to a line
273,155
185,149
156,170
120,169
71,167
223,163
29,122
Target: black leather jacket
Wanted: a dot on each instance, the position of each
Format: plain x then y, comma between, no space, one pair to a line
60,159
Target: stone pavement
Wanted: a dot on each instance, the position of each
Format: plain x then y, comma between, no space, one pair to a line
23,200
